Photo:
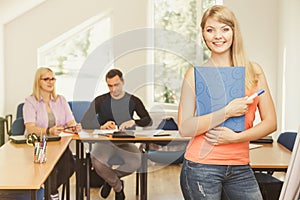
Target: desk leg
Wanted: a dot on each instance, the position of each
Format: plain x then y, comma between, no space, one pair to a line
88,163
47,188
33,194
79,164
144,173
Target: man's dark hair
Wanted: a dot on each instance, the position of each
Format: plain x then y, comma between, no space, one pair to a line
114,72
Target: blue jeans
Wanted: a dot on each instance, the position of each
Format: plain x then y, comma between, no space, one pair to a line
213,182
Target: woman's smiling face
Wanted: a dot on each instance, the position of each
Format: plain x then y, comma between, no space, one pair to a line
218,36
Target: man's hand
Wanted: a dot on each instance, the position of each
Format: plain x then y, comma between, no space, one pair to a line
108,125
127,124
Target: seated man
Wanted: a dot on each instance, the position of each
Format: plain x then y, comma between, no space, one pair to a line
115,110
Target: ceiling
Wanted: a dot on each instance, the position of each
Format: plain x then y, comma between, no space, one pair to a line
10,9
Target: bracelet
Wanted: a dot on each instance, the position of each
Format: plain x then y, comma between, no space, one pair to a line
48,131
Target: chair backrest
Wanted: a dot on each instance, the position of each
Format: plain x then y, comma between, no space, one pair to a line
20,111
18,127
168,124
79,108
287,139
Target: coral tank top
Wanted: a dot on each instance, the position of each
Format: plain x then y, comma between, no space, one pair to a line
200,151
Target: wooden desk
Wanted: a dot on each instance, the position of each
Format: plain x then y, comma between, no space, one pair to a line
87,136
19,173
270,157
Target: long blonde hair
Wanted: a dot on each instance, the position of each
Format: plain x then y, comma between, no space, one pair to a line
36,84
237,51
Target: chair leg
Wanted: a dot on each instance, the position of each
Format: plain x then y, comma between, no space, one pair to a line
68,189
63,192
137,188
65,187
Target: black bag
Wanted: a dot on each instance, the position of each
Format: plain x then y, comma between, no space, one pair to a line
269,186
95,179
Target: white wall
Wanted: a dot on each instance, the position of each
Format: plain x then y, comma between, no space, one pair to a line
1,73
289,62
267,26
50,19
259,25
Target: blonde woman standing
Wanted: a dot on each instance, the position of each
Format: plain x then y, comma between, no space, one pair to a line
225,171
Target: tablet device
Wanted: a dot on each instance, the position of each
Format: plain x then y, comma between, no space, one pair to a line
21,139
123,134
18,139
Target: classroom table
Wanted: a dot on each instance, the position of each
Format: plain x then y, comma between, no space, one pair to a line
87,136
268,157
18,172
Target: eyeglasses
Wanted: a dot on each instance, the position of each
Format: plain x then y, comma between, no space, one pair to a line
48,79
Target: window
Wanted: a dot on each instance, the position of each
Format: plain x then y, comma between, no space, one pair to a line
66,54
182,21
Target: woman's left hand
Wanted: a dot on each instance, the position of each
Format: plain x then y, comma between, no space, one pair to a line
221,135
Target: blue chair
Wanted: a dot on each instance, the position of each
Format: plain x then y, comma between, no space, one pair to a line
79,108
20,111
18,127
167,157
287,139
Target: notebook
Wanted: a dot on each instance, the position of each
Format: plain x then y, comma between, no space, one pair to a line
216,87
266,139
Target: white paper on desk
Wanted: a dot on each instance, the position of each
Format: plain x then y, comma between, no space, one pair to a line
147,133
63,134
254,146
83,134
101,132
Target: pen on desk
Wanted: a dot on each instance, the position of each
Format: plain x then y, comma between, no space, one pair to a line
259,92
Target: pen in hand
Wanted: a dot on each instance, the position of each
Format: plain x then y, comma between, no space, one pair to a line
259,92
69,127
73,129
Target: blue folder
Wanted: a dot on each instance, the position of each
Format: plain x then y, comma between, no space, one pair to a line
216,87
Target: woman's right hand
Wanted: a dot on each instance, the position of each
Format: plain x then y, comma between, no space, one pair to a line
237,107
56,130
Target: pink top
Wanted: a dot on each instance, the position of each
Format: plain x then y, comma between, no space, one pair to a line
200,151
35,111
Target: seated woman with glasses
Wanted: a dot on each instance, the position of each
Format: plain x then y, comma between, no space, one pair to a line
45,112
